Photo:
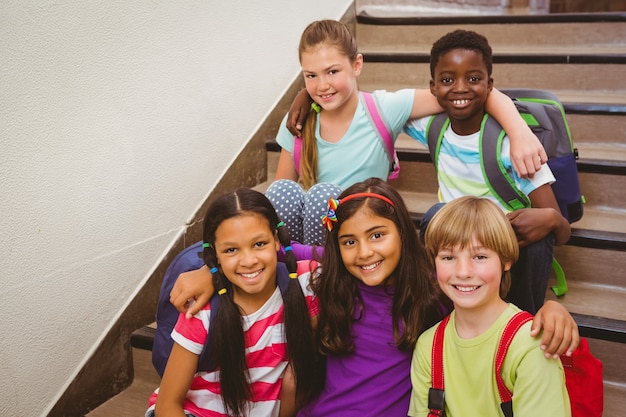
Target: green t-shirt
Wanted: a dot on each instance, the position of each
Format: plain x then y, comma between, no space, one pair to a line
537,383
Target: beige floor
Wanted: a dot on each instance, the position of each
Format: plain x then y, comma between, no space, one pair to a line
133,401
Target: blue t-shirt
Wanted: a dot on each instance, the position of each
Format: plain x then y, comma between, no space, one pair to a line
360,153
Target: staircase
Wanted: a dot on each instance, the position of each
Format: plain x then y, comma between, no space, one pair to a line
582,59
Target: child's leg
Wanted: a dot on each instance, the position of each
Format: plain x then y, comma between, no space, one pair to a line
287,197
316,205
530,275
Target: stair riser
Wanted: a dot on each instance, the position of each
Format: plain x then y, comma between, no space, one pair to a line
393,76
536,36
589,128
594,266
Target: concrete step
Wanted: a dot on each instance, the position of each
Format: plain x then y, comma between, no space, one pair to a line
133,401
606,35
560,78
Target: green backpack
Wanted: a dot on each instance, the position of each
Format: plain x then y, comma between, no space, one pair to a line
544,114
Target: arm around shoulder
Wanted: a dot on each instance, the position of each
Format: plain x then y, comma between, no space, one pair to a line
193,285
527,153
424,104
539,388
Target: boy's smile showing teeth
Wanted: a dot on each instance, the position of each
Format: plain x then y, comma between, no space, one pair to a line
460,102
464,288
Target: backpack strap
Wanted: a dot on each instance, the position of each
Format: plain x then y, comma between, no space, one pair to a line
497,178
383,133
381,128
206,361
436,395
297,152
514,324
437,126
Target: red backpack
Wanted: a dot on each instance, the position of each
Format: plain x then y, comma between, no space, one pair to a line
583,374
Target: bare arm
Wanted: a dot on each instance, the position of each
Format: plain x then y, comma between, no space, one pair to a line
193,285
527,153
560,331
533,224
288,394
286,169
424,104
179,372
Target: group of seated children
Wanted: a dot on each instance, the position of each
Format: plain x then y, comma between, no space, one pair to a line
353,335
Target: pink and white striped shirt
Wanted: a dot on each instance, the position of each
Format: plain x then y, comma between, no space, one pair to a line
266,357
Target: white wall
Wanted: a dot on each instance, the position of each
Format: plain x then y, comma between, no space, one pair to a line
117,119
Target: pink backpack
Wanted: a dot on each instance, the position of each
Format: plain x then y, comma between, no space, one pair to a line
383,134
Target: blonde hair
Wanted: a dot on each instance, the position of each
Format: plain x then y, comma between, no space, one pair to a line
467,218
332,33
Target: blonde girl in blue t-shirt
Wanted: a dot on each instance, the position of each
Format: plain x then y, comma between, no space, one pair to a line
340,146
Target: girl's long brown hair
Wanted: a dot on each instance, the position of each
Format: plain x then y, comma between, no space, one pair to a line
227,341
331,33
416,297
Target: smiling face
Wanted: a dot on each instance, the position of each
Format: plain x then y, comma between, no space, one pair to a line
461,84
471,276
246,253
329,75
370,247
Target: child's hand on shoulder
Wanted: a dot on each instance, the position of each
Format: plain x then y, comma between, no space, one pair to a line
560,331
192,291
527,155
298,112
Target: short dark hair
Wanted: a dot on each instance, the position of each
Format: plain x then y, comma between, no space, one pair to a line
461,39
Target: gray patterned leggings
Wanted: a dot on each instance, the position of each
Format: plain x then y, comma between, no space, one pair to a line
302,210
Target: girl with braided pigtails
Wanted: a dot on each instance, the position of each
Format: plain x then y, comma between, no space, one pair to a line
247,344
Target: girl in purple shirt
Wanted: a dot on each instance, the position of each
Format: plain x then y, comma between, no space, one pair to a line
376,294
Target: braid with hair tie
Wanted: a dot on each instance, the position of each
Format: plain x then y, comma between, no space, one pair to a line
301,349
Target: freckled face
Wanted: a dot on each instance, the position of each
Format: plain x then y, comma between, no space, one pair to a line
370,247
